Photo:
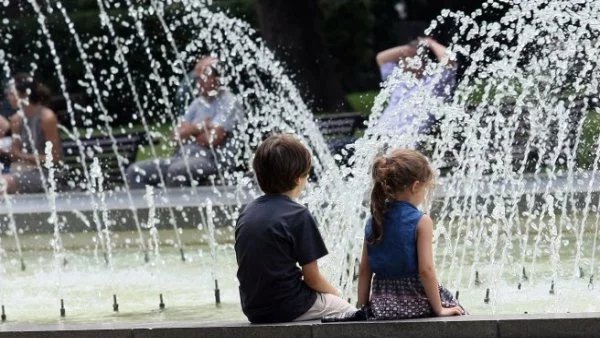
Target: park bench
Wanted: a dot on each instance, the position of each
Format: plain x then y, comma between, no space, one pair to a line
339,130
103,148
520,154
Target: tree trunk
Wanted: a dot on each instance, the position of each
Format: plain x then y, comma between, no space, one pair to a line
293,30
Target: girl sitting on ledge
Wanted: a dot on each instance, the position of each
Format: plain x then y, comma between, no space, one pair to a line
397,278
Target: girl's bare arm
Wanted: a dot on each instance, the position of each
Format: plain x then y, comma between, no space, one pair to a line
427,268
364,278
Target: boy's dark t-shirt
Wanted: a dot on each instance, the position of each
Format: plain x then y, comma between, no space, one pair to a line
272,234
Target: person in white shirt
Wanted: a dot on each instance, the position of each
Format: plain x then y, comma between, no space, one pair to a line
415,85
205,132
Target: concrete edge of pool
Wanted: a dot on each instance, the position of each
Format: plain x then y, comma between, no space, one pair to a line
527,325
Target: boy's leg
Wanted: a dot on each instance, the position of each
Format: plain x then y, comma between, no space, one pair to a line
326,305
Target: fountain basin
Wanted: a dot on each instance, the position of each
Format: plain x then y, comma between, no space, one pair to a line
87,284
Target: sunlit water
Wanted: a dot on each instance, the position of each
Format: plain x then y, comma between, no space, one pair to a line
88,284
496,234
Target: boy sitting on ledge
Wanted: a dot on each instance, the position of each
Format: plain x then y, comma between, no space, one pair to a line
274,235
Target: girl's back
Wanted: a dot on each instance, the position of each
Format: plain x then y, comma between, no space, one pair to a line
395,255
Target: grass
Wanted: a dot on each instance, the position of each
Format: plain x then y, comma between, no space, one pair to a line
164,148
362,101
589,139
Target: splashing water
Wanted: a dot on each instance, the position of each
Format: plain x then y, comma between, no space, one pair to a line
526,107
515,201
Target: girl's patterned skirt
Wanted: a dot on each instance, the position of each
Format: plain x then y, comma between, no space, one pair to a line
403,298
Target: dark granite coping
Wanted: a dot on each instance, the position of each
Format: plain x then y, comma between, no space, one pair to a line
528,325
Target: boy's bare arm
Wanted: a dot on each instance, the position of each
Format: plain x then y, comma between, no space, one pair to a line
316,281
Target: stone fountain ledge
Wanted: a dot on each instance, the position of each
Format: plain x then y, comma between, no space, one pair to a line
532,325
577,183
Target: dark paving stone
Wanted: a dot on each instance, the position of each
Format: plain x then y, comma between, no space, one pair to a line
400,329
559,326
69,334
242,331
517,326
471,327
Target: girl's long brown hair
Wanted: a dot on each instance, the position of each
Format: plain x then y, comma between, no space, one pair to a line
394,173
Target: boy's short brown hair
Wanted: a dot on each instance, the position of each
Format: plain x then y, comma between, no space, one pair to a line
279,161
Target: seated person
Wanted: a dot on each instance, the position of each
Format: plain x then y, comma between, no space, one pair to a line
205,132
396,117
6,111
185,93
278,243
30,131
5,140
5,114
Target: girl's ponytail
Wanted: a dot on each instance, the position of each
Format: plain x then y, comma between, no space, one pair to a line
378,201
379,197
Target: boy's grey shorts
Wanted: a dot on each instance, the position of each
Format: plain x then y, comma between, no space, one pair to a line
325,305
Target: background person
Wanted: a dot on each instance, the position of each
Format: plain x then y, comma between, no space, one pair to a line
6,112
399,115
4,122
205,131
30,131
